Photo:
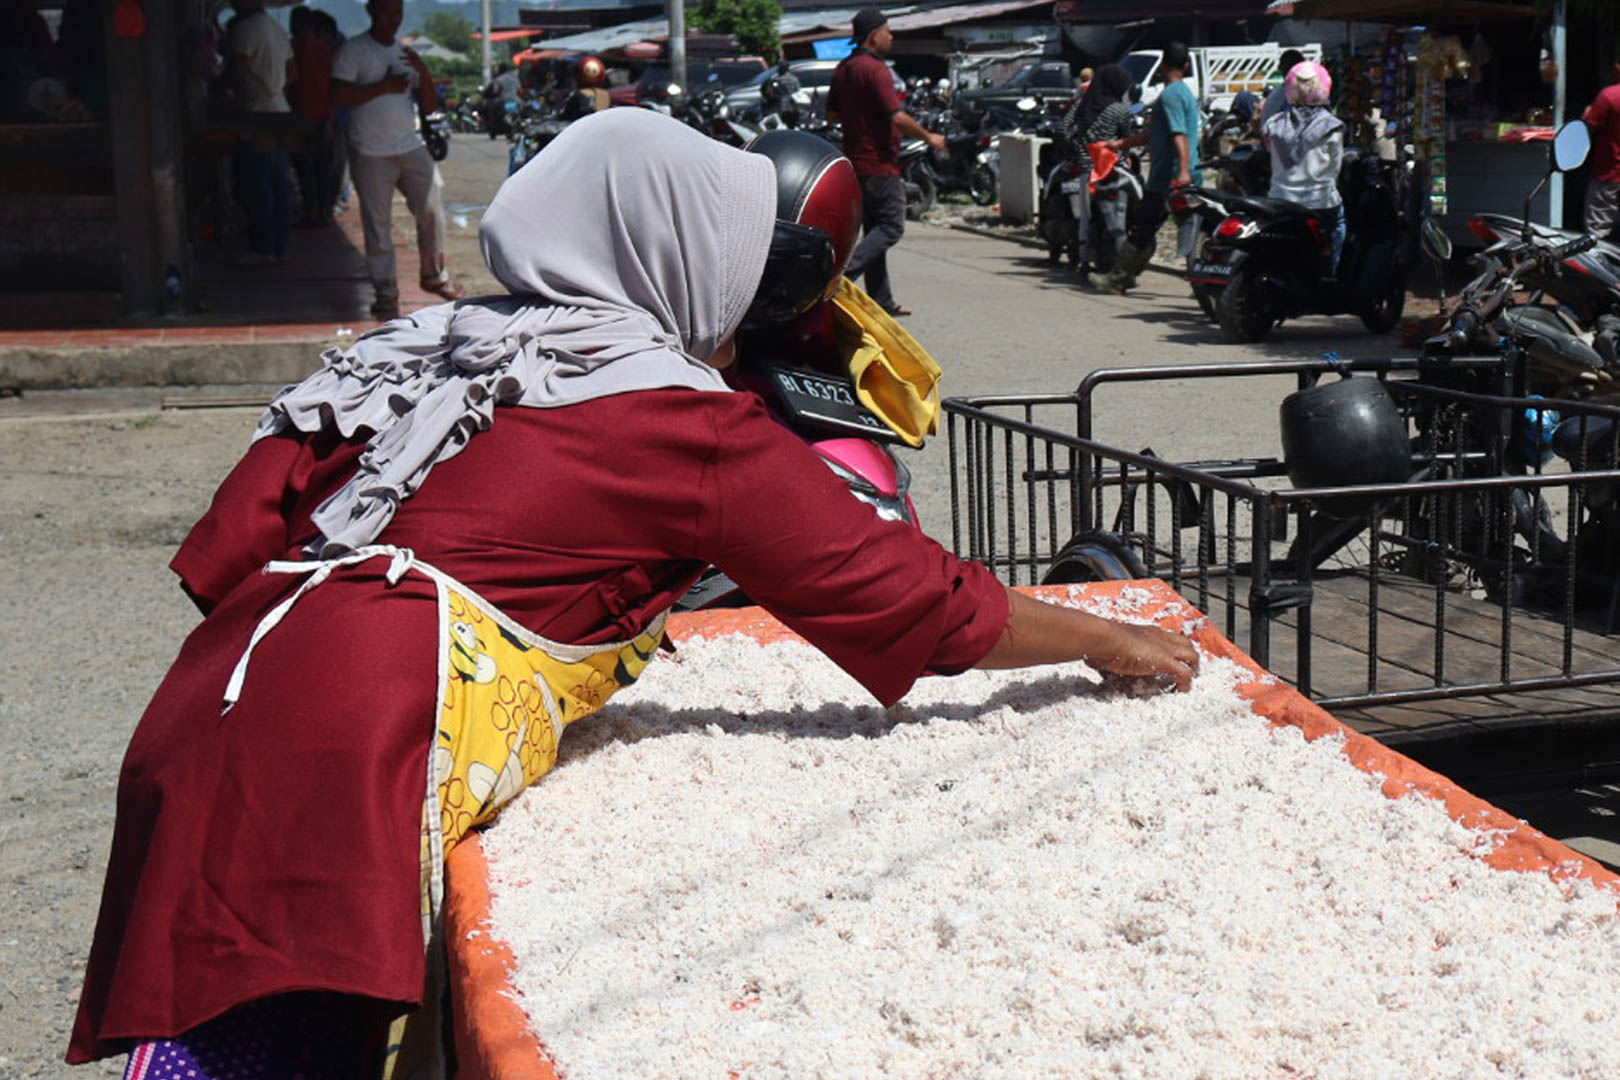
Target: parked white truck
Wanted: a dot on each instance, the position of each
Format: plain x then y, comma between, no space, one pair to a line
1219,72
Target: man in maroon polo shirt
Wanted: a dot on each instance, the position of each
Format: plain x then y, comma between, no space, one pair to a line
1603,186
863,102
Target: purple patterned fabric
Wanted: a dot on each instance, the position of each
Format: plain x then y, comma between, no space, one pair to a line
289,1037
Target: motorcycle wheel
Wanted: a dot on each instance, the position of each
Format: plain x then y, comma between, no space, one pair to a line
1243,313
438,147
1385,311
982,185
1056,225
921,190
1094,555
1205,304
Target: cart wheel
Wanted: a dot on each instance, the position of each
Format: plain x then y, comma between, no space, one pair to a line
1094,555
1384,312
1243,313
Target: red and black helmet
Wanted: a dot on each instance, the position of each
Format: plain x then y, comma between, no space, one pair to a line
592,72
818,218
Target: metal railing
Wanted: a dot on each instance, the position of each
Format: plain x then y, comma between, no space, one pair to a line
1426,584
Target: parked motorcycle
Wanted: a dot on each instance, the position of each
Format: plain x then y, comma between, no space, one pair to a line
1114,186
1579,293
809,389
435,127
918,175
1275,257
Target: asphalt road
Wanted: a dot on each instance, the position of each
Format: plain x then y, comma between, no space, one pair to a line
97,489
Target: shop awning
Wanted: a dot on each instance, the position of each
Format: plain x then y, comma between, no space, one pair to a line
507,35
1122,11
960,13
1403,11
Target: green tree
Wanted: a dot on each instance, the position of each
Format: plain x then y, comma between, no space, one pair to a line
451,31
753,21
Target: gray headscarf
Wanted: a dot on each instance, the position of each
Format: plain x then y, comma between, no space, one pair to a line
632,246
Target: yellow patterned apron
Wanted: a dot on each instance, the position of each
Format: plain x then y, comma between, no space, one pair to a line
505,695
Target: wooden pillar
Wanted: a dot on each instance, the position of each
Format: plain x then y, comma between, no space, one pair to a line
145,117
129,113
166,135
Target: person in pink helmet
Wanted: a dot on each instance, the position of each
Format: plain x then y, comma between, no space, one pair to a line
1306,142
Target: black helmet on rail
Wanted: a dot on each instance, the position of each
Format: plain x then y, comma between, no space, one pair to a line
818,217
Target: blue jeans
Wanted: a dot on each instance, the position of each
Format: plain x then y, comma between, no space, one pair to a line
1338,239
261,180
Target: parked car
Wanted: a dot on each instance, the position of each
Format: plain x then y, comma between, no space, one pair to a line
654,80
814,76
1047,81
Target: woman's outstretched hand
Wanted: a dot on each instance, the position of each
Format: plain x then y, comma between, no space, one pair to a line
1150,653
1039,633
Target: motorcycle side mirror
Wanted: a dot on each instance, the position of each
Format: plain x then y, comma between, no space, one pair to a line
1435,240
1571,146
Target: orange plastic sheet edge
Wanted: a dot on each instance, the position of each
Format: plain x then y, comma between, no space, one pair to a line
492,1032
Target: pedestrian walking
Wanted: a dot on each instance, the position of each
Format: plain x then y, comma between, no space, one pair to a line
1172,142
259,65
432,521
862,100
1603,187
385,84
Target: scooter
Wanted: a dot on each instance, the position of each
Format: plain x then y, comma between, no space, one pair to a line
1275,256
435,127
809,390
1114,186
1583,287
917,173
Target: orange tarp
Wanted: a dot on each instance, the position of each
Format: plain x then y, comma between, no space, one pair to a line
493,1035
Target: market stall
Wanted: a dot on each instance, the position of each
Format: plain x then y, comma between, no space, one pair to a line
1469,90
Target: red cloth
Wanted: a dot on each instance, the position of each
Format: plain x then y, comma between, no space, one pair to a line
1604,116
313,91
275,847
862,94
1102,163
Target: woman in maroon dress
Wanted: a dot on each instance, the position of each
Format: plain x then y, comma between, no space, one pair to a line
564,462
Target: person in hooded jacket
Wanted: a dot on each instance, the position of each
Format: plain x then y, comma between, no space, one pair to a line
1306,143
457,537
1100,115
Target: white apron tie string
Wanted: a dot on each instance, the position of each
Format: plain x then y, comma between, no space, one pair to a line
400,561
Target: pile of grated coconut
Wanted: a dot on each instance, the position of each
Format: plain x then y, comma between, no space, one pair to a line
745,868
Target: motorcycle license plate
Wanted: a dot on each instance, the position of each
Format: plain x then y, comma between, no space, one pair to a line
1202,269
1072,187
828,402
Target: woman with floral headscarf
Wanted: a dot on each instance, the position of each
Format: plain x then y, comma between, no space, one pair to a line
459,536
1307,147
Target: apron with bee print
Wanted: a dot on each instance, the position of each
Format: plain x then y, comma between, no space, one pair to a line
505,695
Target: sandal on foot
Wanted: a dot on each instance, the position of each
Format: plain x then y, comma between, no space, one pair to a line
442,286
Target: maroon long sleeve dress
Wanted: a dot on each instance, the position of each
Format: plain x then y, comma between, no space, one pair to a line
275,847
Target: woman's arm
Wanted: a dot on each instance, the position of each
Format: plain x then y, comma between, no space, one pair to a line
1039,633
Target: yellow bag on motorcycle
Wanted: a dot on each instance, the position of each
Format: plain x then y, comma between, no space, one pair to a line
894,375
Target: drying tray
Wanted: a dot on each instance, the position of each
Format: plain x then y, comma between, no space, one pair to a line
492,1032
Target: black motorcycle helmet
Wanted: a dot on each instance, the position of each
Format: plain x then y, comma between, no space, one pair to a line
818,217
1342,433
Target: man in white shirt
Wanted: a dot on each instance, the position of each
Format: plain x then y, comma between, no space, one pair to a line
384,83
258,66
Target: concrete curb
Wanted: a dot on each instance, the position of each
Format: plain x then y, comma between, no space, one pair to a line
25,367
